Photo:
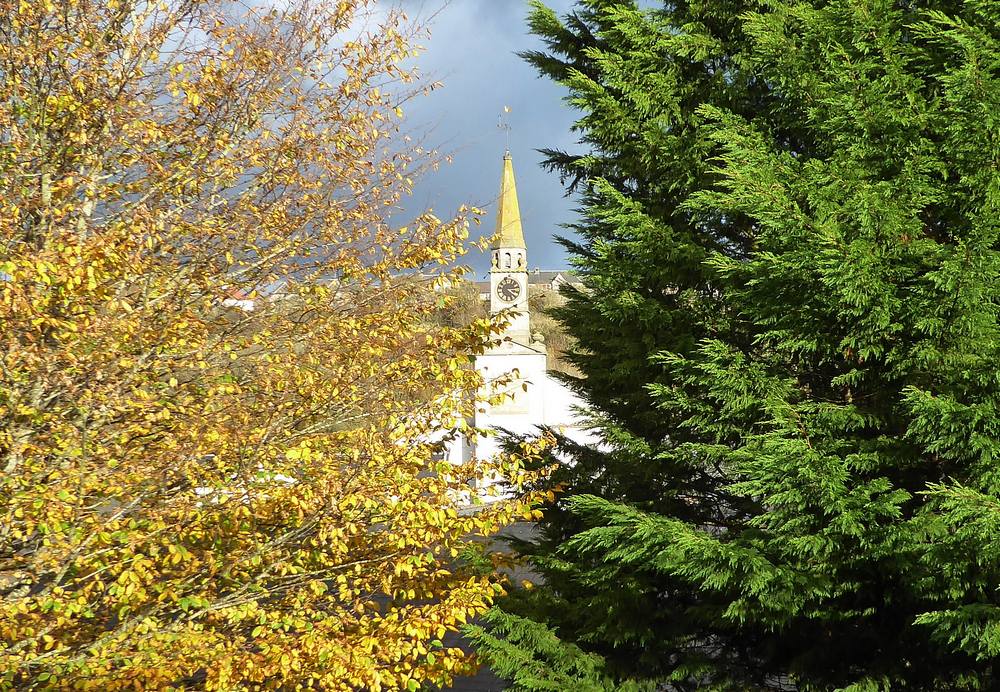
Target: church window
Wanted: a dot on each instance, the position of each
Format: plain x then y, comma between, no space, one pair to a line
506,260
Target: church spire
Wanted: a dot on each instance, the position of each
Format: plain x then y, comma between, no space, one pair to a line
508,231
509,266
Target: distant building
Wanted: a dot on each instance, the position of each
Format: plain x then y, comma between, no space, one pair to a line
550,279
535,397
238,298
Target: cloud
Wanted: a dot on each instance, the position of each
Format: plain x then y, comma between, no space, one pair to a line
472,51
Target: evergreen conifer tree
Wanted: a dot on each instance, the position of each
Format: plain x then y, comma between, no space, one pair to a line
789,338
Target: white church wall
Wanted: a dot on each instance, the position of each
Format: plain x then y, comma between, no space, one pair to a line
564,412
545,402
524,407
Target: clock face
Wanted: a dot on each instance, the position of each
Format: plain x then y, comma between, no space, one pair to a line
508,289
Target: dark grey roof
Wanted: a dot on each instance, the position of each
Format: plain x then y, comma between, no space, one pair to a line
540,276
547,276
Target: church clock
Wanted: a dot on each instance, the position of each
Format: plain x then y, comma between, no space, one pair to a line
508,289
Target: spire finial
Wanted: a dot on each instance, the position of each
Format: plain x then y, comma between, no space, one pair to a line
504,124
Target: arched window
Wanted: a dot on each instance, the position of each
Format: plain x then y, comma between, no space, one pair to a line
506,260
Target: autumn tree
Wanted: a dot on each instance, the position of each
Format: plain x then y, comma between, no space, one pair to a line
221,400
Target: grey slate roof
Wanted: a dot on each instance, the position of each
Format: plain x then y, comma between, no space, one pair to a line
538,277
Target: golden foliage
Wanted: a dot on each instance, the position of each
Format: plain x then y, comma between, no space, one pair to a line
196,493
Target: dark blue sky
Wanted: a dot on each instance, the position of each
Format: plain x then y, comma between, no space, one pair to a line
472,51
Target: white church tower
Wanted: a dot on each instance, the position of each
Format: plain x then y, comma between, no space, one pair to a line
534,398
519,355
509,260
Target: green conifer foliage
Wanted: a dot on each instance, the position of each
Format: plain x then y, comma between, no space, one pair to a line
789,337
534,659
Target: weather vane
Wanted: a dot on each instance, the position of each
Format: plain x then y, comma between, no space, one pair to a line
503,124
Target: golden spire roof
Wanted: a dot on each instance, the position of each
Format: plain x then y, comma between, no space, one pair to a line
508,231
